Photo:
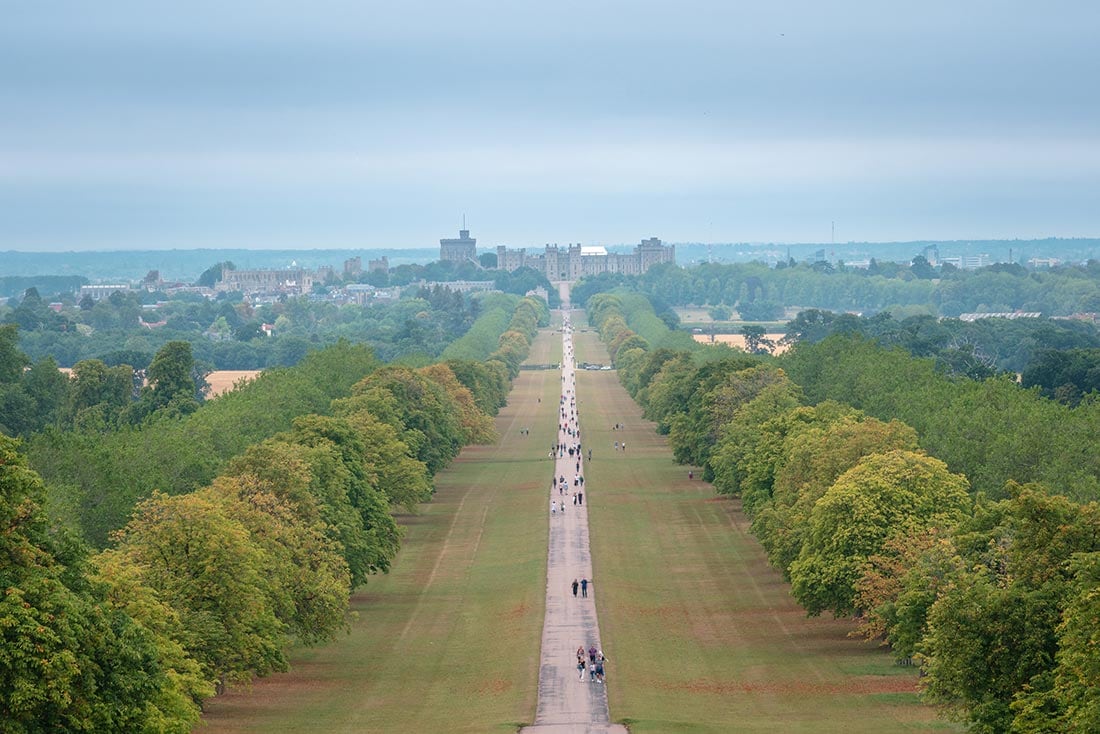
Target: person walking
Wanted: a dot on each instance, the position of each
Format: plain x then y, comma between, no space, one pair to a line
553,507
575,586
582,665
584,593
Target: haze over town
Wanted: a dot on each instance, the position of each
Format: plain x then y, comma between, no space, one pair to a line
158,125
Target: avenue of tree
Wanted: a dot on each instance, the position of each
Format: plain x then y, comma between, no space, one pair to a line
155,549
957,518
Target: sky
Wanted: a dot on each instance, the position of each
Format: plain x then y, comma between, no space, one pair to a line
271,124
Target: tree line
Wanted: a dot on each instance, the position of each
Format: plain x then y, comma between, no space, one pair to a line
761,292
976,349
200,545
227,333
956,519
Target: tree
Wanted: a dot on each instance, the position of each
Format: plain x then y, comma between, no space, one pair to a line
372,538
898,586
172,386
68,662
884,494
176,707
12,361
201,560
990,653
921,268
818,445
1078,667
213,274
308,579
756,341
98,393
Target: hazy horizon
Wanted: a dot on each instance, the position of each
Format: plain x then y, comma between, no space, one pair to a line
370,126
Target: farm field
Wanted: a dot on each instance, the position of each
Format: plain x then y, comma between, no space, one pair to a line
222,381
738,340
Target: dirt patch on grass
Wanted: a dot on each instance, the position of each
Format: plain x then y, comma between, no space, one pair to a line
494,687
517,612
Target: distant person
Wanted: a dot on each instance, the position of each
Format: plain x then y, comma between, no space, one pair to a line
584,593
592,654
576,585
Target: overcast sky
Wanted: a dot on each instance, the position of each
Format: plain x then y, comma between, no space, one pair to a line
154,124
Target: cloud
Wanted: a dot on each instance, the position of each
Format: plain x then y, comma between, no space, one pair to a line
592,166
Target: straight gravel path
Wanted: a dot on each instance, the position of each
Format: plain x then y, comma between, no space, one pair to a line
569,701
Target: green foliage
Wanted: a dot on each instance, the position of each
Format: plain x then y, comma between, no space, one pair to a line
213,274
415,405
357,487
794,460
487,381
973,426
483,336
883,495
1078,670
1064,375
975,349
721,390
105,474
199,558
68,661
762,310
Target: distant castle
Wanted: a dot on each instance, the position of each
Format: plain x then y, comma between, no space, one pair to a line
564,263
459,250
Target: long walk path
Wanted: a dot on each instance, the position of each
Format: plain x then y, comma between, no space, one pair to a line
570,701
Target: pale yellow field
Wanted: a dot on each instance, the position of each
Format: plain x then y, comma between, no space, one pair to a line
222,381
738,340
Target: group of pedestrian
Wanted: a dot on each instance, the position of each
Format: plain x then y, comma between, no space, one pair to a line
591,663
582,585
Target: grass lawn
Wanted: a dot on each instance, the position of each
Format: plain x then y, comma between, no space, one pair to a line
702,634
448,641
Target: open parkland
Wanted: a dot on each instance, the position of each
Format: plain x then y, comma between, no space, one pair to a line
700,633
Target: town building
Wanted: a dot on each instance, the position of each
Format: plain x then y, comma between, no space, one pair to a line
968,262
99,292
382,265
289,281
462,286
